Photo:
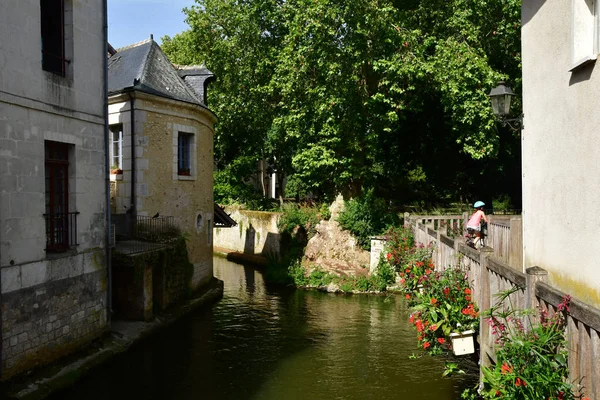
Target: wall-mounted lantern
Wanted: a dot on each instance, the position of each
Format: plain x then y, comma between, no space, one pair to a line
501,96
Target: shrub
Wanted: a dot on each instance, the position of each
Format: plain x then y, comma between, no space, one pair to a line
502,202
383,277
297,216
366,216
531,363
324,211
297,274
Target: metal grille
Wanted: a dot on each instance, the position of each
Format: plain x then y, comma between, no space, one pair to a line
141,234
61,231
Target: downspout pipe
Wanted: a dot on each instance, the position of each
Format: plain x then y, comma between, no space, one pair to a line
132,208
107,167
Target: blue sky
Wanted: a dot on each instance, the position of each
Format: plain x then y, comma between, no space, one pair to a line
131,21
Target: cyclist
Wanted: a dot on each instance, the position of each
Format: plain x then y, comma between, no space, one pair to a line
474,224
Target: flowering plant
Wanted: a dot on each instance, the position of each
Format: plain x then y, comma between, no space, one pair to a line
531,355
445,306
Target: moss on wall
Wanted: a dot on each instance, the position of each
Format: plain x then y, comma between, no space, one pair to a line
164,275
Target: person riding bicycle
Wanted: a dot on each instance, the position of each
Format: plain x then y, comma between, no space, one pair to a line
474,224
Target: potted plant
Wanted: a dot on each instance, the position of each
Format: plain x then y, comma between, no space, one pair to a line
462,343
115,170
445,313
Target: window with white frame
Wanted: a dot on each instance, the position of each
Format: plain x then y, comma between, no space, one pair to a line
586,31
184,153
116,149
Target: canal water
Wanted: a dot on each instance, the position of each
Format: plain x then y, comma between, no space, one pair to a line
262,342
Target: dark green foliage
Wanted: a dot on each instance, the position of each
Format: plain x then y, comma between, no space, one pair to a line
230,187
366,216
294,217
324,211
338,94
383,277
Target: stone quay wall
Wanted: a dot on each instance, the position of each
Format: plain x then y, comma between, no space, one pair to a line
51,308
256,233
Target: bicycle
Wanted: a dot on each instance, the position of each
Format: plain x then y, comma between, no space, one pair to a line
471,236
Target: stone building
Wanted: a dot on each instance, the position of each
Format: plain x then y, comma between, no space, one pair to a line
162,147
561,143
52,171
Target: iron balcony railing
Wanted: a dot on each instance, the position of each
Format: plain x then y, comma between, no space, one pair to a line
141,233
61,231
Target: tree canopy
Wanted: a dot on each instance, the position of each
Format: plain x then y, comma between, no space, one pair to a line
342,95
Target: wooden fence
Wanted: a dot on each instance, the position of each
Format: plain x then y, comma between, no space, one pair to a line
505,234
490,275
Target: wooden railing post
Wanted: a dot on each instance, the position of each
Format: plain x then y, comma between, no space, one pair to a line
484,300
439,261
406,220
515,253
534,275
465,216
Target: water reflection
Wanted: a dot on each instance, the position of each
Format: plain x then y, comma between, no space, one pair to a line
265,343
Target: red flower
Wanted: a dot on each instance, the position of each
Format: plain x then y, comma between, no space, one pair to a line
468,298
433,301
506,369
441,340
419,326
520,382
432,328
426,345
407,296
389,256
467,291
446,291
412,318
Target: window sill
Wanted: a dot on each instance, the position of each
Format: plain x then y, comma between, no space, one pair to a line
584,61
116,177
186,178
55,255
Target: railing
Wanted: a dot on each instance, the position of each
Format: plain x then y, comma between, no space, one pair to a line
504,233
142,233
499,238
490,276
451,225
61,231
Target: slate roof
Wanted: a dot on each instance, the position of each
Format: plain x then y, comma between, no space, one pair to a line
222,219
144,67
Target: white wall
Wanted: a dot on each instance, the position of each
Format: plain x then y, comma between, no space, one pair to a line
256,232
561,152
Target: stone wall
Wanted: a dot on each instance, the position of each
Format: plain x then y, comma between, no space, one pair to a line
146,283
51,303
158,186
51,308
256,233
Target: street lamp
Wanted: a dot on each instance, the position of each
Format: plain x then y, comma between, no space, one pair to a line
501,96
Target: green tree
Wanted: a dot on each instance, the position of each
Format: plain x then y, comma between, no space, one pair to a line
381,94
